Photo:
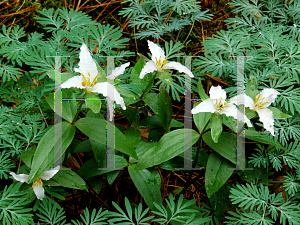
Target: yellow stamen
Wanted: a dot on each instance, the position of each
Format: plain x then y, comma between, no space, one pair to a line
259,104
85,81
89,80
37,182
220,105
161,63
95,79
256,99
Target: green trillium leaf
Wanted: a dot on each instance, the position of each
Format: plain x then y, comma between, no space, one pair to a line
68,178
96,130
277,114
165,76
93,102
50,150
251,87
216,126
217,173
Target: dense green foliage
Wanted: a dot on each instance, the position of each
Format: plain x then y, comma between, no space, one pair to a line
263,34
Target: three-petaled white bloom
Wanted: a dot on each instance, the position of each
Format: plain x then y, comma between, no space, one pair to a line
89,76
37,184
262,101
217,104
158,62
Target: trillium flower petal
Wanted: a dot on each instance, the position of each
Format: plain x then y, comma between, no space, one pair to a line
217,93
179,67
266,117
21,177
110,105
232,110
243,99
86,63
47,175
205,106
148,68
102,89
77,70
156,51
75,81
118,71
116,96
39,191
269,94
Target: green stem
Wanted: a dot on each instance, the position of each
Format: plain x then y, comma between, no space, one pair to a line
189,33
77,113
173,38
42,114
141,97
197,152
205,127
178,35
189,178
238,134
189,181
19,166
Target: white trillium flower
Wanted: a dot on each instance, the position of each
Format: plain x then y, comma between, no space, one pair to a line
158,62
112,94
89,75
262,101
217,104
37,185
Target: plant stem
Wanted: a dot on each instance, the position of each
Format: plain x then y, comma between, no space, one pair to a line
42,115
189,180
197,152
178,35
19,166
141,97
205,127
189,33
77,113
172,37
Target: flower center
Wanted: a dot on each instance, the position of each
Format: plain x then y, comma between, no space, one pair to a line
259,104
37,182
87,80
160,63
221,105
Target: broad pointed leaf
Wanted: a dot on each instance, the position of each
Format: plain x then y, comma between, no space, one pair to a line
45,153
169,146
148,183
96,130
217,173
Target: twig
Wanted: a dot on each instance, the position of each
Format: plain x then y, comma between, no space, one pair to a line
189,33
218,80
42,115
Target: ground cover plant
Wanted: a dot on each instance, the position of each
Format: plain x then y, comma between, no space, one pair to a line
94,131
